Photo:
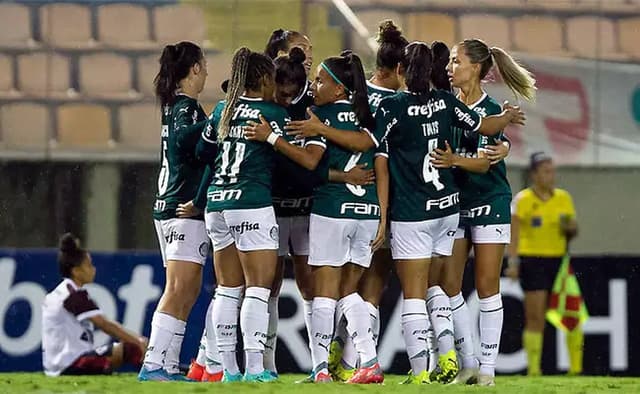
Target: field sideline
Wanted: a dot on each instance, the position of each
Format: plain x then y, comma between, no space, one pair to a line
17,383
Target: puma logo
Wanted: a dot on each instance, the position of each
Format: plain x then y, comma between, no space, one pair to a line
448,317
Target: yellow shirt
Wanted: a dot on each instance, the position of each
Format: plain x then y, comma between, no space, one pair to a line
540,231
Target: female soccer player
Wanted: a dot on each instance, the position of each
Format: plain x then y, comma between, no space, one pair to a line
383,83
344,220
240,218
424,200
69,316
183,242
543,222
484,204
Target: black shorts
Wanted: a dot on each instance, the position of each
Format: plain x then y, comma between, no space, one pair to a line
538,273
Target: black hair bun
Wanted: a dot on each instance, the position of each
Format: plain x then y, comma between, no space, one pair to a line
69,243
388,32
296,55
440,50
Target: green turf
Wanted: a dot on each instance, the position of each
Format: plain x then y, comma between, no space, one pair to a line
119,384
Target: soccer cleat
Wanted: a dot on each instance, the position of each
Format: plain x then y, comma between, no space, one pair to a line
211,377
466,376
231,377
262,377
196,371
421,378
178,377
322,377
372,374
447,368
486,380
273,373
157,375
335,357
308,379
342,374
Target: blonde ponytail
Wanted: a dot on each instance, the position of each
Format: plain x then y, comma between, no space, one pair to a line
515,76
239,67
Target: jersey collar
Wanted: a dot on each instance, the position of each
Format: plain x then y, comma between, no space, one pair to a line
378,87
342,102
303,92
251,98
472,106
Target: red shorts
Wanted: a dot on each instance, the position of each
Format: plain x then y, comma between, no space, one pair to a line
96,362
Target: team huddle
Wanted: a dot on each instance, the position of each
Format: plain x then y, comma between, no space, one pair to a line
334,173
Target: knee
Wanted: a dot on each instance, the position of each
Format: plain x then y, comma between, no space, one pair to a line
488,286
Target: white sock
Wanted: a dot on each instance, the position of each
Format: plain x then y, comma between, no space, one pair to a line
374,316
254,322
324,310
163,327
212,363
359,328
491,317
414,329
462,331
440,313
201,358
226,309
432,346
172,358
350,356
306,309
340,333
272,336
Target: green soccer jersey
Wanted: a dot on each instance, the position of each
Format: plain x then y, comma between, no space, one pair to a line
293,184
412,127
484,198
242,177
376,94
180,173
340,200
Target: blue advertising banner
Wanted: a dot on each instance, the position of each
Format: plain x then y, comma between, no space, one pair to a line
128,286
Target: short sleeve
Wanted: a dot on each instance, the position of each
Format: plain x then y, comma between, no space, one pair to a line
570,209
209,134
80,305
385,121
463,117
516,205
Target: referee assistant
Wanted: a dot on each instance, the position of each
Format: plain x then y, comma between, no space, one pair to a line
543,221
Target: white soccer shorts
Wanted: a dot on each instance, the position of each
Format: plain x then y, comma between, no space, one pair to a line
424,239
182,240
335,242
249,229
487,234
294,235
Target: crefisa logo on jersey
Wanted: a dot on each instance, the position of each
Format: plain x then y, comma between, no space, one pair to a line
245,227
464,117
347,117
426,109
174,236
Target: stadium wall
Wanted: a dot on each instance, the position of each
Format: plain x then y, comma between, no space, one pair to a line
128,286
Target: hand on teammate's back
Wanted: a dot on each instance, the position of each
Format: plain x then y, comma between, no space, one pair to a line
498,152
442,158
360,176
257,131
188,210
305,128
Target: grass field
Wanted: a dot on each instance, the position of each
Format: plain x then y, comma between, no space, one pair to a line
120,384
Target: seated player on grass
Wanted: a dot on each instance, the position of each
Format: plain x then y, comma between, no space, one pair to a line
69,316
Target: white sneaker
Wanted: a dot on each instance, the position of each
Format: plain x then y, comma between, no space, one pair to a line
486,380
466,376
